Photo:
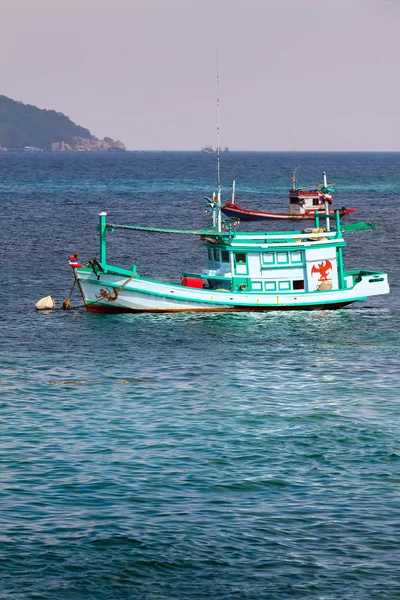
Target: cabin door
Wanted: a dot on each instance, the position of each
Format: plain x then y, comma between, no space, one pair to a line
240,263
241,282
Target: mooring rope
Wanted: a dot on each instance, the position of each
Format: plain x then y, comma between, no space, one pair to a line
112,296
66,305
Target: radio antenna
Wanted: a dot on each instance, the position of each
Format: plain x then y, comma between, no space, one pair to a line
218,142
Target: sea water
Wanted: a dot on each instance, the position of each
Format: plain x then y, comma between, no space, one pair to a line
193,456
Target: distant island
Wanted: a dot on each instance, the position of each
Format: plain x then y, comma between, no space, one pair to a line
29,128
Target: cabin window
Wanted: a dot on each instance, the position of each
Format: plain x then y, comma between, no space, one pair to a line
298,284
240,258
296,257
284,286
270,286
268,258
256,286
225,256
210,254
217,255
294,200
315,202
282,258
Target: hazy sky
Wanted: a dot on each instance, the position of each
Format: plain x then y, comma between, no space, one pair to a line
322,72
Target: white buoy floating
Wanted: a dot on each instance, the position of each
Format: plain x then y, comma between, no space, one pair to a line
46,303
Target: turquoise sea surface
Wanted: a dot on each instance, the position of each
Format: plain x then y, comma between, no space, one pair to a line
193,456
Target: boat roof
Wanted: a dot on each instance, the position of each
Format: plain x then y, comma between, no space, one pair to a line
235,238
111,226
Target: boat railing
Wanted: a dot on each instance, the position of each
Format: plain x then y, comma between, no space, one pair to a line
280,237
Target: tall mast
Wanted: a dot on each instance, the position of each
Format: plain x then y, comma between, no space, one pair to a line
219,220
294,183
218,142
328,226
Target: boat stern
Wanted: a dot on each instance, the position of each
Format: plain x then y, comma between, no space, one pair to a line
367,283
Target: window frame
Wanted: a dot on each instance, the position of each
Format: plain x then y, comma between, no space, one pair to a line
284,289
296,262
228,260
273,256
282,262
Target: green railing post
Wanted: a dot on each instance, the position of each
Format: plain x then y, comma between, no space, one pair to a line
337,215
103,243
340,268
316,215
339,252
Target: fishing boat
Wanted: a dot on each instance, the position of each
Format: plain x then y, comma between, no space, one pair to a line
245,271
303,203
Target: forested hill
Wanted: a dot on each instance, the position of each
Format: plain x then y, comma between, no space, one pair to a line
23,125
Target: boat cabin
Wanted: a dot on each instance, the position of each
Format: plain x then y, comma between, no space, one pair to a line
274,262
307,201
286,268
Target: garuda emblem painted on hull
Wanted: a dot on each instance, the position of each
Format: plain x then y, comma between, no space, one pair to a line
322,269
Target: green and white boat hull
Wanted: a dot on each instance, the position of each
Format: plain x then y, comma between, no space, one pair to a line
144,295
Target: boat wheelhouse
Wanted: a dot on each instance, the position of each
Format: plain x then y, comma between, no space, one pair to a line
246,271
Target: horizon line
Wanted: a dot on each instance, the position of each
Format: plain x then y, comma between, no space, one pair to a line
269,151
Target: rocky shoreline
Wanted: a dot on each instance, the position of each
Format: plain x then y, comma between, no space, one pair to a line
79,144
